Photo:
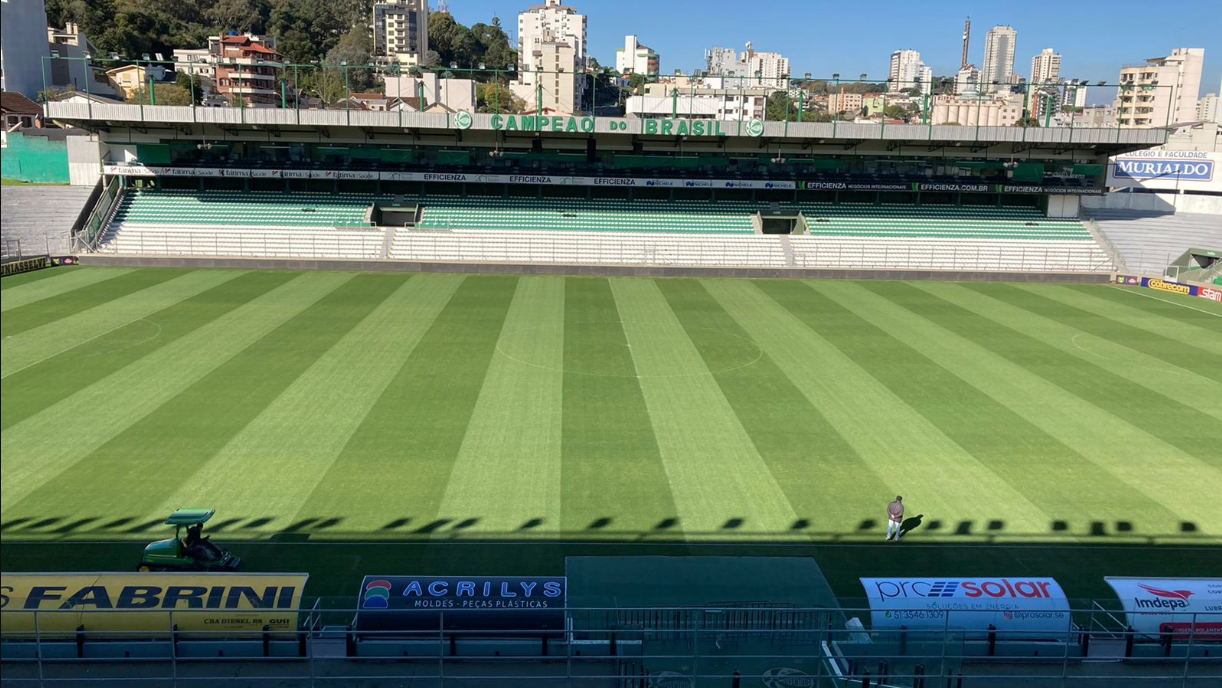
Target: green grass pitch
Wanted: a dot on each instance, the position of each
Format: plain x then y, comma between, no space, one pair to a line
382,423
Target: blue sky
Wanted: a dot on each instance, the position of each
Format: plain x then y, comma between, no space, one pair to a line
850,38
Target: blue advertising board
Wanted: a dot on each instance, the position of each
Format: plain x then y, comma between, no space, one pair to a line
1166,170
1145,168
462,603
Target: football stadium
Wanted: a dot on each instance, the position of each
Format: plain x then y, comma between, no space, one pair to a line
383,398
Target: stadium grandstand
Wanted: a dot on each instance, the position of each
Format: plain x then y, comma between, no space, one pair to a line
453,189
556,470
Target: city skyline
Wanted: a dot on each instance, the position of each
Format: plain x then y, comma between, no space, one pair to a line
842,39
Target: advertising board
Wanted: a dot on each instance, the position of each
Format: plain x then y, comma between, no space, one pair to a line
149,602
462,603
1171,287
1163,170
1154,606
1017,607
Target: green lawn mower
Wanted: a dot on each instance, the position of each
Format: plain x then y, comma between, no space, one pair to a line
188,550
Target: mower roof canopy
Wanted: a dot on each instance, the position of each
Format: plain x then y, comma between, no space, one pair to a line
189,517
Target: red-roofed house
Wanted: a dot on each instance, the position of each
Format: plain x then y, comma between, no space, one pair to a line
246,69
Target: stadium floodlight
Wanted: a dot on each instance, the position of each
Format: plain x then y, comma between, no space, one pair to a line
453,65
88,56
481,66
54,54
836,76
863,77
343,63
807,76
116,56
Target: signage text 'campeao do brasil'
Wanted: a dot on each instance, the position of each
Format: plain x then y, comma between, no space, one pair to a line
650,127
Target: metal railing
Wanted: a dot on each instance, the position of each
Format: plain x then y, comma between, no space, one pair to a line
1101,237
324,244
94,228
615,248
601,125
668,646
787,105
983,255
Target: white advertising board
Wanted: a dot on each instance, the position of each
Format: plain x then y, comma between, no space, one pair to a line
1017,607
1154,606
1164,170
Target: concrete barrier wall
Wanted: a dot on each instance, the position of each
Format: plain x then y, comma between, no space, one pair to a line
1157,202
590,270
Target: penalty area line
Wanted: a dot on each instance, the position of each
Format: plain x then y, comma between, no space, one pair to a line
1181,305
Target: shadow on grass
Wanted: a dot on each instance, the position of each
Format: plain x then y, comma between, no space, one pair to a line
802,529
336,567
1078,554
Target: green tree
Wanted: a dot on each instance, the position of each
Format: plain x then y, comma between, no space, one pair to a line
1027,122
496,98
454,43
189,83
305,29
353,48
943,85
164,94
493,44
781,106
895,112
52,94
240,15
636,84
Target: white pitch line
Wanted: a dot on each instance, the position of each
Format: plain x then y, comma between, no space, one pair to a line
1181,305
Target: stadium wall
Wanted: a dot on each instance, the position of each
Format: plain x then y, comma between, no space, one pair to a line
590,270
84,160
34,158
1161,202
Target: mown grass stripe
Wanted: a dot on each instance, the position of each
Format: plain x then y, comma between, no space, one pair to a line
715,473
811,460
19,291
1202,313
508,468
1182,426
61,306
1196,328
612,478
401,456
37,387
305,428
1151,339
829,355
39,448
1152,374
24,278
957,408
18,352
1049,441
228,397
